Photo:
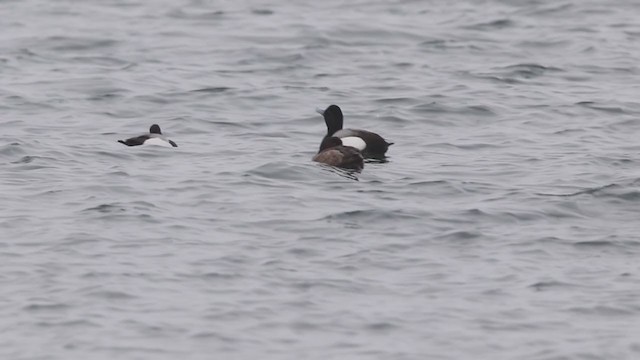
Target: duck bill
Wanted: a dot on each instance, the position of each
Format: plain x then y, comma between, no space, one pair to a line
320,111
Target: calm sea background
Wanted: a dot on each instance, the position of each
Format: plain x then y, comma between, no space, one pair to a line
505,225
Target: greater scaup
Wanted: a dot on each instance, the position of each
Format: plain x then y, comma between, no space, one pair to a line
154,137
333,152
370,144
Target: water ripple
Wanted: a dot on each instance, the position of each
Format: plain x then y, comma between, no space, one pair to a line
504,217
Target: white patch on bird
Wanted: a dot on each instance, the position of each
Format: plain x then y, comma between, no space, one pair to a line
354,141
158,141
343,133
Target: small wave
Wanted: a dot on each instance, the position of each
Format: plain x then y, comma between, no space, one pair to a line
570,131
67,43
475,215
594,243
444,45
280,170
372,216
404,64
381,326
106,208
495,24
217,276
549,285
215,335
604,108
435,107
616,191
25,160
397,100
517,73
460,235
101,60
501,79
476,146
104,97
140,210
303,252
159,352
588,191
345,173
301,325
206,15
606,243
602,310
68,323
213,89
556,9
34,162
111,295
262,12
345,285
54,307
526,71
393,120
534,45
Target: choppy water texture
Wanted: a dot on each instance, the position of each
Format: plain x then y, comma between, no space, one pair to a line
504,226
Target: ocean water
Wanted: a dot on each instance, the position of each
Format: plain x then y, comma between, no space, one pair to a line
503,226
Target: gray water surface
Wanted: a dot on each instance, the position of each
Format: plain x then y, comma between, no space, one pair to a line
503,226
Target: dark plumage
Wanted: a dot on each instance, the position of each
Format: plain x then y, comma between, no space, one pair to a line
333,153
376,145
154,133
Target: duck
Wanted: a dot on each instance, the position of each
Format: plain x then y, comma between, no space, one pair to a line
333,152
369,143
154,137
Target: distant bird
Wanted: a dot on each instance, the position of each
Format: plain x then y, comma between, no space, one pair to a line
154,137
370,144
333,152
